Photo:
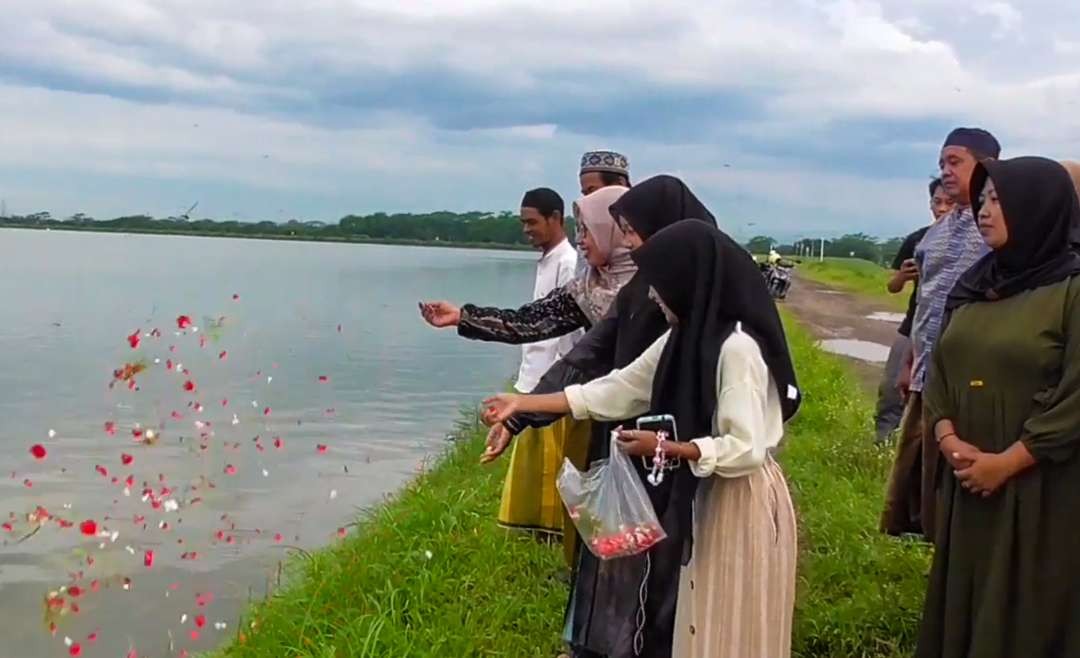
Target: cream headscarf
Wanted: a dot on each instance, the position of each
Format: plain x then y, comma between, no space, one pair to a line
595,288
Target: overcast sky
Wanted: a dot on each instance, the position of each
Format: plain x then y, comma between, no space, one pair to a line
801,117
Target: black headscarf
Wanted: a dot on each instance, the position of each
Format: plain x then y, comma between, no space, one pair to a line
1042,215
710,283
657,202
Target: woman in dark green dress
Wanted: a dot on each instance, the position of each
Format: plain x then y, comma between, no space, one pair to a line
1003,400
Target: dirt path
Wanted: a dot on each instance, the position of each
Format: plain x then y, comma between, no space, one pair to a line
838,318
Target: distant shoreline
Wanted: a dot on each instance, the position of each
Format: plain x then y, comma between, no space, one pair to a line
493,246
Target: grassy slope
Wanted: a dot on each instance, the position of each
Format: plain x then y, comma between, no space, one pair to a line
854,275
485,593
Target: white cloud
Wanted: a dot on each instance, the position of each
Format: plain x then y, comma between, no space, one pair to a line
115,87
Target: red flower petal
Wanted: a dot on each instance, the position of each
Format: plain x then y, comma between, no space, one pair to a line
75,650
323,378
230,469
88,528
102,471
189,386
38,451
134,339
126,459
321,448
91,638
183,322
266,411
75,591
236,298
225,402
27,483
168,364
278,538
7,527
110,428
194,635
278,443
224,355
148,559
341,532
200,621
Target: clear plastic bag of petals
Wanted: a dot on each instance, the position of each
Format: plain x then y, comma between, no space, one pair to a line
609,506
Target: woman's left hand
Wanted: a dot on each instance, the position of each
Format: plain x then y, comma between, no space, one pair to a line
639,443
986,474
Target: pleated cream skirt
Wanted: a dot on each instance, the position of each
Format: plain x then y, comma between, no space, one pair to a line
737,595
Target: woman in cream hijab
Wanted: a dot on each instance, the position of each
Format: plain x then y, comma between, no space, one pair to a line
530,500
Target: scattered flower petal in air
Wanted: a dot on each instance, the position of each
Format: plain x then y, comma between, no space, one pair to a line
75,649
134,339
236,298
91,638
148,559
189,386
266,411
200,621
126,459
110,428
333,494
323,379
224,355
88,528
230,469
183,322
278,538
52,434
278,443
321,448
235,419
342,532
102,471
28,484
265,473
38,451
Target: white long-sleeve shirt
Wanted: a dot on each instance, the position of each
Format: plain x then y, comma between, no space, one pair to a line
555,269
748,420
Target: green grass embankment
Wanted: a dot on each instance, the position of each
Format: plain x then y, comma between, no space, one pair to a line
483,592
854,275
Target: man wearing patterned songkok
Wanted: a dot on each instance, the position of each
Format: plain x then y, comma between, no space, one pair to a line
603,169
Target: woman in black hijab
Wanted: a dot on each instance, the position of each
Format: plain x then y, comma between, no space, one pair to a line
725,374
1003,401
606,609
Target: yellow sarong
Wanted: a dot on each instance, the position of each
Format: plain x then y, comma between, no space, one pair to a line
530,500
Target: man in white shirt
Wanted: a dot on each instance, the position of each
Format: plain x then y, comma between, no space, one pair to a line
543,224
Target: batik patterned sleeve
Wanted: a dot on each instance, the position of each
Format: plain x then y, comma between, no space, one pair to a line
552,316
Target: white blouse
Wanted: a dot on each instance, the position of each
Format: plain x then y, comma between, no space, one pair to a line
748,420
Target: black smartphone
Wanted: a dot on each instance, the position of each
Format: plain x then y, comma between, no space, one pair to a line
661,423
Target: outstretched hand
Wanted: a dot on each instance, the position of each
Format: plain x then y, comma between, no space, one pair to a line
440,314
498,440
499,408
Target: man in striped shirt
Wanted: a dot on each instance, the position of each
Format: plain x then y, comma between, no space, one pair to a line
949,248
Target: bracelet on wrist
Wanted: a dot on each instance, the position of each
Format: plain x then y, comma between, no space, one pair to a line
945,436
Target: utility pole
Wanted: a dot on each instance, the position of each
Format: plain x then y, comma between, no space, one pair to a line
822,250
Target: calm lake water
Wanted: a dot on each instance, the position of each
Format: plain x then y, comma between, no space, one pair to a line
322,346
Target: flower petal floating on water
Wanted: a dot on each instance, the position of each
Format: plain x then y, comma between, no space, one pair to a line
38,451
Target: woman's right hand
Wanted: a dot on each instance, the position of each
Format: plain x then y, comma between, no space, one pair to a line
497,441
499,408
960,454
440,314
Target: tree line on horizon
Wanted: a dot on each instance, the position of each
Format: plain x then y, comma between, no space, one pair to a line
475,227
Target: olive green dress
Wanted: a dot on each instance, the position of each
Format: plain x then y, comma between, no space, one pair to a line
1006,576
